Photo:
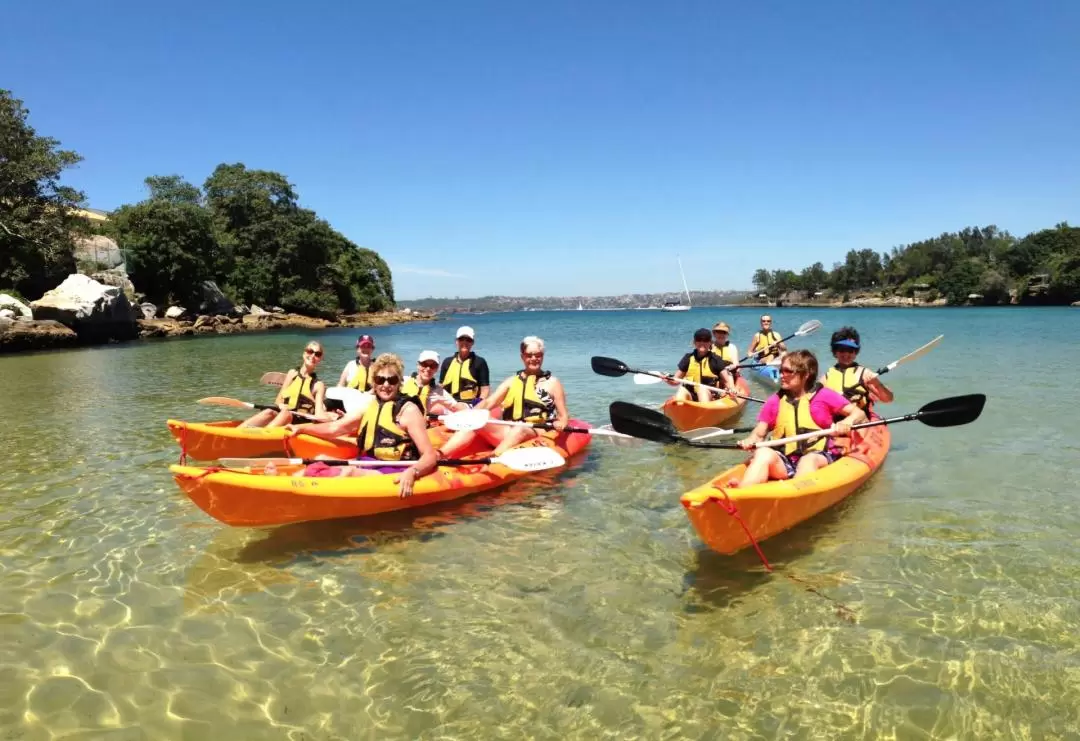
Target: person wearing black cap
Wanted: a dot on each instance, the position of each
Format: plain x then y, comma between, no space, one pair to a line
857,383
703,367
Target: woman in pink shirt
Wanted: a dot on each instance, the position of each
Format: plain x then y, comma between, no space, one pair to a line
801,405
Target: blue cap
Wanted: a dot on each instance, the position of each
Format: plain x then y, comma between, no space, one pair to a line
846,343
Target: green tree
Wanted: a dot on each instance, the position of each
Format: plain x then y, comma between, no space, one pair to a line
173,189
762,280
814,278
961,281
37,227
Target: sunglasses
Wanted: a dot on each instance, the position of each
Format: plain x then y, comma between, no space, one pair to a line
533,354
316,353
430,364
787,371
386,380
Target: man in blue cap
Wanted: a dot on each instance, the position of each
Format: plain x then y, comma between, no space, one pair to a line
858,383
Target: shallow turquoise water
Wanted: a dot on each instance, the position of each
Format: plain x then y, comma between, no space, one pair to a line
577,605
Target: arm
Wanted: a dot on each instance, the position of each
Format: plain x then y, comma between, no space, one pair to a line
880,390
562,416
483,377
320,402
727,380
493,401
412,421
853,415
766,421
682,368
344,377
756,435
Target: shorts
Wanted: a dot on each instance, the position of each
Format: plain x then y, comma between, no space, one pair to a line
791,462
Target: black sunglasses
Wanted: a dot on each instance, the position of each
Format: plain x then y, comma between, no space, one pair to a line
316,353
386,380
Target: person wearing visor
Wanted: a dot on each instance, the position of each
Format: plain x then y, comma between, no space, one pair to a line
465,374
857,383
421,385
723,347
357,373
705,368
766,344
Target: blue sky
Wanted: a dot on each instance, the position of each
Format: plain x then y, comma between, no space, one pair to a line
565,148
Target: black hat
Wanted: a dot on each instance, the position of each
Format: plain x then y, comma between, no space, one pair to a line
703,335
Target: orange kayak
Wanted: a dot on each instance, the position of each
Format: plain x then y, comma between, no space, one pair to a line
248,497
207,441
775,506
690,415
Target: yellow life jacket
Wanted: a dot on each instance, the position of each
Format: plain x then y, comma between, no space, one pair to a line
300,393
701,370
361,378
523,404
764,339
849,382
412,388
795,419
725,352
380,436
459,380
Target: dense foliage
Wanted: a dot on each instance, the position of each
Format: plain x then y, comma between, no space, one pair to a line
37,229
987,263
245,230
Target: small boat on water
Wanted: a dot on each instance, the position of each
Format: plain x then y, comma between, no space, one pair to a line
675,305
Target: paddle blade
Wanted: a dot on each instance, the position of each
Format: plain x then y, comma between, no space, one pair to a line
468,419
808,328
608,366
913,354
530,459
225,401
643,380
354,400
952,412
646,424
703,433
273,378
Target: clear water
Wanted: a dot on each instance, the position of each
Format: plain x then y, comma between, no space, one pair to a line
577,605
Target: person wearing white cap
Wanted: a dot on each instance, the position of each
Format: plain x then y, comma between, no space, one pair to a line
465,374
422,386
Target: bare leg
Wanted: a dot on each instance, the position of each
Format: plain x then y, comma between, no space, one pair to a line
512,436
262,419
280,419
764,466
809,463
682,393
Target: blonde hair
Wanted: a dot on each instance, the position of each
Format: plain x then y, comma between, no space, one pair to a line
388,360
532,340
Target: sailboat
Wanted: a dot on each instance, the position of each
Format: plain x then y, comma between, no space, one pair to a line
675,305
580,307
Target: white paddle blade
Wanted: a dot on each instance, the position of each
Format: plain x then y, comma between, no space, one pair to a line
467,419
354,400
618,438
917,353
530,459
225,401
643,380
704,433
809,328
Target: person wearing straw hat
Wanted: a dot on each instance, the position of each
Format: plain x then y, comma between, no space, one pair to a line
723,346
465,374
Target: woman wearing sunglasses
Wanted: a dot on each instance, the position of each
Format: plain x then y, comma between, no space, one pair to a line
801,405
531,395
433,398
390,428
302,391
856,382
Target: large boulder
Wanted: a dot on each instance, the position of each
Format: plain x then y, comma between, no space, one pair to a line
20,335
257,311
213,300
7,314
116,277
175,312
148,310
20,309
98,252
96,312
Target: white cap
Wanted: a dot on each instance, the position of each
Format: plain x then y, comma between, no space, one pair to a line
428,355
466,332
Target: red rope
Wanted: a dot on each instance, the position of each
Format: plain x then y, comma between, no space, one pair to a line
183,444
731,509
205,472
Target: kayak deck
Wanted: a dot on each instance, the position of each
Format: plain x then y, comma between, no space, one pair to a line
775,506
769,375
207,441
689,414
250,497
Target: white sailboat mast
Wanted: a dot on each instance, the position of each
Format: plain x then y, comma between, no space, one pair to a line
685,287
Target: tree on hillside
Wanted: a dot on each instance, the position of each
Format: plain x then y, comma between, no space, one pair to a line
37,228
813,278
169,241
762,280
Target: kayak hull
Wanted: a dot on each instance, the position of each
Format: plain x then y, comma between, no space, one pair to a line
691,415
775,506
249,498
769,375
207,441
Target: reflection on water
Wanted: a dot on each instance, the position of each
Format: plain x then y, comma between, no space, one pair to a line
578,604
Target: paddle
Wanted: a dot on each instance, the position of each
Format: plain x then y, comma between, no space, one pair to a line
273,378
227,402
647,424
807,328
616,368
912,355
352,399
518,459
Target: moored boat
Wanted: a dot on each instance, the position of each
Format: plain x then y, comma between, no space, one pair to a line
719,514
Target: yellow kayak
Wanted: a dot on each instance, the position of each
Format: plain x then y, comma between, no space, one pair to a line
770,508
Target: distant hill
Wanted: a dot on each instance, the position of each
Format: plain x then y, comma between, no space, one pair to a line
569,303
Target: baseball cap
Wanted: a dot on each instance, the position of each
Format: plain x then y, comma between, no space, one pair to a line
721,327
846,343
466,332
428,355
703,335
365,339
